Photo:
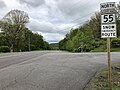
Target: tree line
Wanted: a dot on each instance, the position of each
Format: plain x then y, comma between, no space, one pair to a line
87,37
15,36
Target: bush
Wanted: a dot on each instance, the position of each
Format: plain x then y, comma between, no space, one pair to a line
4,49
115,42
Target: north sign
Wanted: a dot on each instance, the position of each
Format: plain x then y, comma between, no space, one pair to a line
108,5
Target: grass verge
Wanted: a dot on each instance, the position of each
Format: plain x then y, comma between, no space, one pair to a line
100,81
104,49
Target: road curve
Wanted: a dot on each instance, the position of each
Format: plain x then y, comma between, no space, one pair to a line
50,70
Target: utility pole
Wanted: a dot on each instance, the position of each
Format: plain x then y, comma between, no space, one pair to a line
29,44
11,49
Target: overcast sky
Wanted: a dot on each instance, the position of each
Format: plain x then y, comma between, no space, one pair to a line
53,18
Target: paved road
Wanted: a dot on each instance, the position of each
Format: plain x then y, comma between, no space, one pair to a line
50,70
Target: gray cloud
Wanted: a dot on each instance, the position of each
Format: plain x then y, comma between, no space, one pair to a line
48,27
33,3
54,18
52,37
72,9
2,4
59,16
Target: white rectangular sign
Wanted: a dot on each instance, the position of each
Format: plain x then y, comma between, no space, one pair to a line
108,11
108,30
108,27
108,34
108,18
108,5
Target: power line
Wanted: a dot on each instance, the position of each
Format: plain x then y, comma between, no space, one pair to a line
78,19
83,5
82,17
73,5
75,25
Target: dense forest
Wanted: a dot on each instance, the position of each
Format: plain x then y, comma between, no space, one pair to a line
54,46
88,36
15,36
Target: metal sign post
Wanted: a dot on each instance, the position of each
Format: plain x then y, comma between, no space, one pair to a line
108,30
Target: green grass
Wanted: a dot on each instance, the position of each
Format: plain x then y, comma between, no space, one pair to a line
4,52
100,49
115,49
101,80
104,49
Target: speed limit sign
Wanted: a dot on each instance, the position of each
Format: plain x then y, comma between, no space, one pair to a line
108,18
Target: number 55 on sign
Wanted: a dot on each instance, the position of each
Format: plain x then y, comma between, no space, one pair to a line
108,18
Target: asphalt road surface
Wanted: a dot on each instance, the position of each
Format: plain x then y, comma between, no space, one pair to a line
50,70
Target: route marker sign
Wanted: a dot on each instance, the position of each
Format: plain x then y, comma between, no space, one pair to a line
108,30
108,20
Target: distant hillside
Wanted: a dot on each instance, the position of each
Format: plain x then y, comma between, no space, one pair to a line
54,46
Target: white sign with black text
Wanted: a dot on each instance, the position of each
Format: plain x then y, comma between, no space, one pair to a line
107,5
108,30
108,20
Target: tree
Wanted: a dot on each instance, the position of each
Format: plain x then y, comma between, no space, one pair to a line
118,11
83,38
13,26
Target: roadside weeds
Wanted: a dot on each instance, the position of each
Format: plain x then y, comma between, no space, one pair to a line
100,80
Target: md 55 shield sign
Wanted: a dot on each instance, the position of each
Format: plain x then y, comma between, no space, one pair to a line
108,18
